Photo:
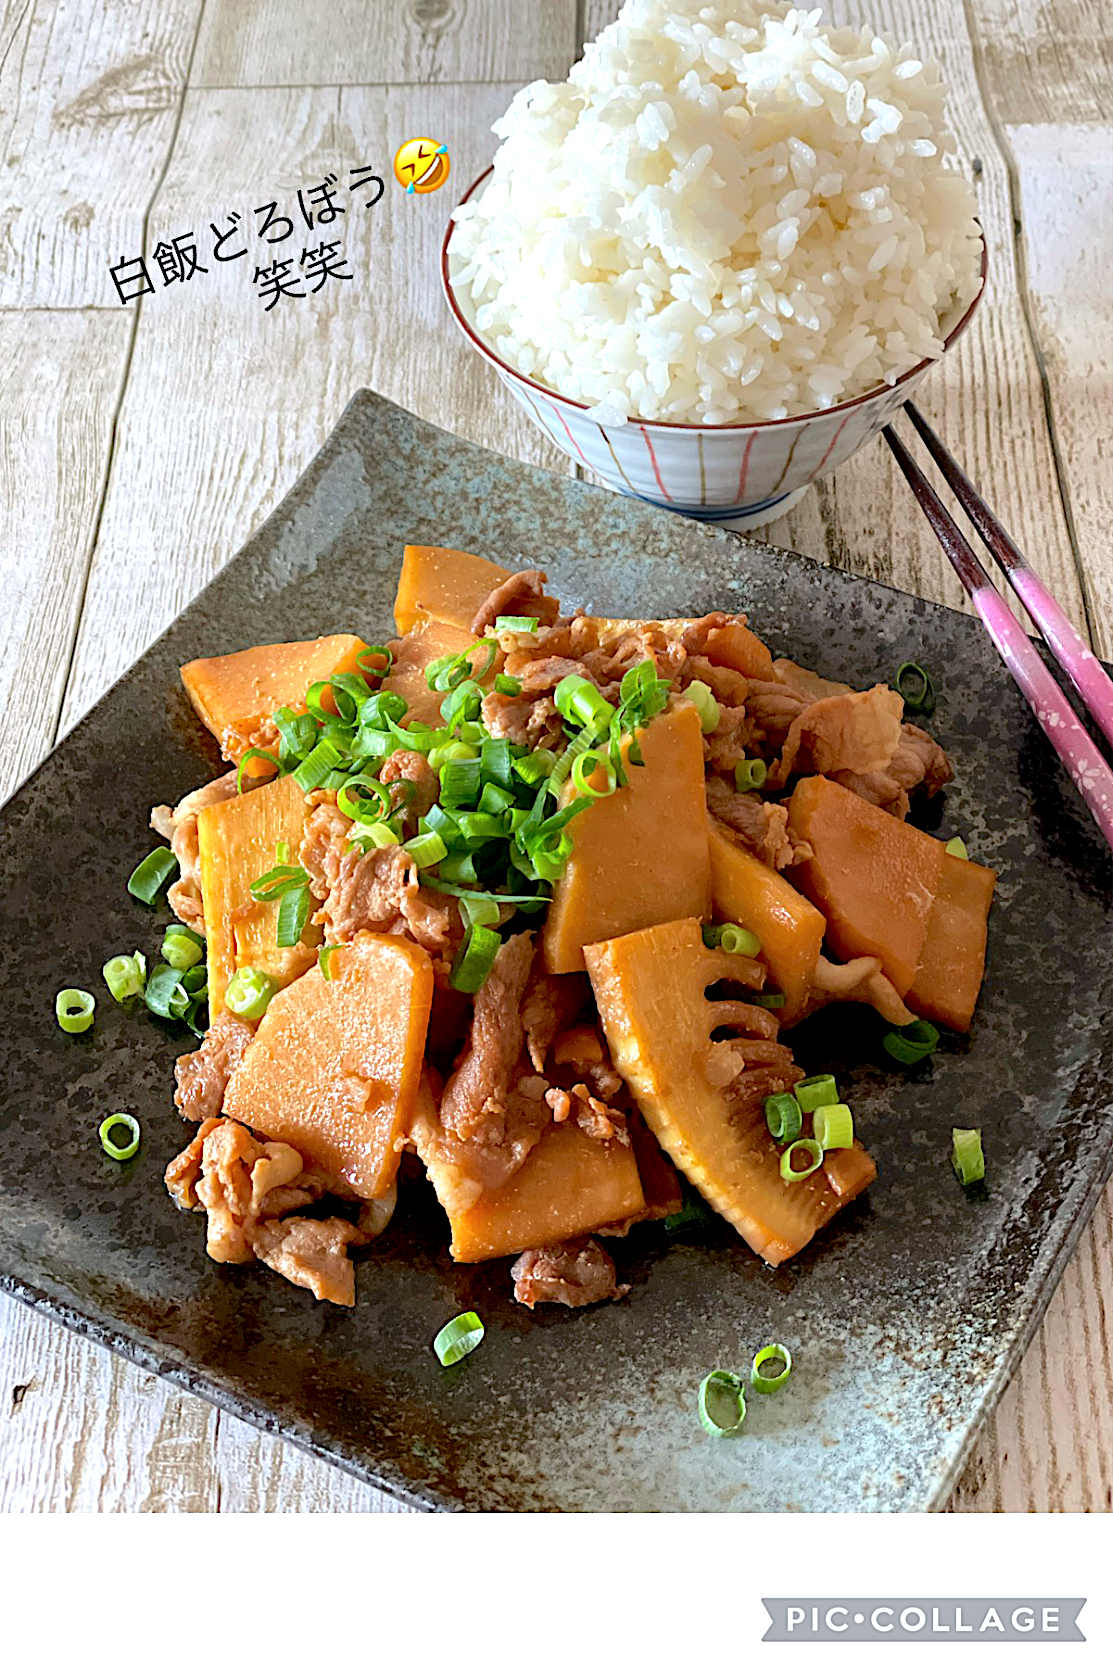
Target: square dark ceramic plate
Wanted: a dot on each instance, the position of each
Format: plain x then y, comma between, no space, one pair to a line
906,1318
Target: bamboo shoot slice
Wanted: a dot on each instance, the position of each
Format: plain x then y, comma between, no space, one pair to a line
235,694
237,840
335,1066
650,988
445,585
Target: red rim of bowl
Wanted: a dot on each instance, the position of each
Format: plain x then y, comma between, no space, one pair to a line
873,393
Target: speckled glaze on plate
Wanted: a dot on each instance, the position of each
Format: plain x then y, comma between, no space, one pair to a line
906,1319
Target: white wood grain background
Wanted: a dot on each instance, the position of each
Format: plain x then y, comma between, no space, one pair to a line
140,445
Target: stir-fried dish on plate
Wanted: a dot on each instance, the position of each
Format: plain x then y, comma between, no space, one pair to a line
537,898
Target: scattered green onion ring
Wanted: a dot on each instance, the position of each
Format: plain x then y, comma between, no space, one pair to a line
768,1383
125,976
515,622
765,998
249,992
324,960
750,774
789,1172
317,764
461,1335
293,912
181,951
505,685
957,848
585,765
967,1156
703,699
148,880
579,702
833,1126
255,753
74,1010
377,651
724,1387
737,941
474,959
911,1043
916,687
426,849
363,798
783,1117
119,1120
816,1091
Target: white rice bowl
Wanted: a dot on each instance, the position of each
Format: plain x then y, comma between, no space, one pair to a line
727,213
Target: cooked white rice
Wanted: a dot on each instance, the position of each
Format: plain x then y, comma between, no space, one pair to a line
726,212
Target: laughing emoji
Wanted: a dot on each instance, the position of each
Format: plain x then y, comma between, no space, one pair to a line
421,165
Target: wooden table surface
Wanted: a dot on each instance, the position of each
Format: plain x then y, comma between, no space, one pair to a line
142,443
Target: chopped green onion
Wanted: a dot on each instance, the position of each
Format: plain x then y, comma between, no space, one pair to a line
915,685
474,959
255,753
74,1010
957,848
351,693
426,849
579,702
181,951
967,1156
148,880
767,1383
480,910
515,622
535,767
737,941
765,998
125,976
297,731
376,651
282,851
457,866
478,825
324,959
694,1212
495,800
722,1394
440,756
750,774
439,884
783,1117
461,783
317,764
283,878
496,762
363,799
505,685
470,732
816,1091
911,1043
833,1126
705,704
293,912
166,994
585,765
814,1152
462,1334
248,993
462,705
114,1149
376,834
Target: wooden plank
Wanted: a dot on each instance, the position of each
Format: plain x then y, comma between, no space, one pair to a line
1065,176
349,43
1049,1447
87,114
1048,62
60,377
227,402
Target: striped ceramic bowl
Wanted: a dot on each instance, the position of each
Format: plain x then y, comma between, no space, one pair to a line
735,474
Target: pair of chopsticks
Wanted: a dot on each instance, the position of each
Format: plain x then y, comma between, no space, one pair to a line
1056,717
